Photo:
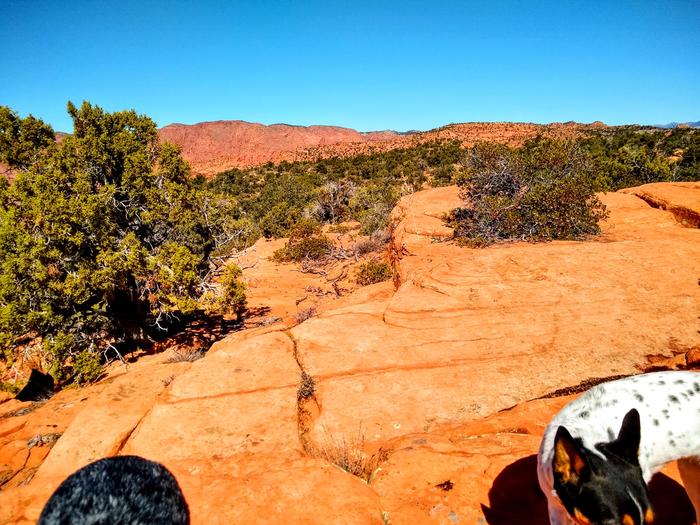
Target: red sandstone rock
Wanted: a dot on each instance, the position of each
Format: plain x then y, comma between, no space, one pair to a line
213,147
485,472
682,199
692,358
428,372
497,326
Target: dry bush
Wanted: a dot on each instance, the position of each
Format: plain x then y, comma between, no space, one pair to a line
341,228
304,314
267,321
350,456
540,192
371,244
43,440
182,355
307,387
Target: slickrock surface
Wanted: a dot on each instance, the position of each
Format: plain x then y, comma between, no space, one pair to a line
282,291
682,199
428,372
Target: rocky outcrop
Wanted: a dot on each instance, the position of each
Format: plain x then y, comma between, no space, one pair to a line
213,147
435,382
682,199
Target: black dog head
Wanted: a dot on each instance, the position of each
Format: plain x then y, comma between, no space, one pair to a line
603,491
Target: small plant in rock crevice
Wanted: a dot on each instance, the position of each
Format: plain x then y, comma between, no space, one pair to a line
304,314
307,387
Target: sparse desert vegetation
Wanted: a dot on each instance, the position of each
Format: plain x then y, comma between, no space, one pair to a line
366,187
108,240
331,262
105,240
542,191
350,455
372,272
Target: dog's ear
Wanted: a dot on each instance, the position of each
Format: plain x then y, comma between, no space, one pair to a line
626,446
569,463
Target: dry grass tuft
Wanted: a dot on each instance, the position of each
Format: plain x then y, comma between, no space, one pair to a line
371,244
306,313
43,440
180,356
349,455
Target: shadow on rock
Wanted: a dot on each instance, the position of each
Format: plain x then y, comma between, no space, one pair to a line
515,497
670,501
38,388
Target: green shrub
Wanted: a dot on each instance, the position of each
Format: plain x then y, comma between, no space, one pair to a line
86,367
311,248
10,388
372,206
104,238
542,191
305,243
230,296
628,156
443,176
278,221
373,272
304,228
341,228
274,195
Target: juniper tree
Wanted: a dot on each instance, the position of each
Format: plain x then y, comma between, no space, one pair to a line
103,237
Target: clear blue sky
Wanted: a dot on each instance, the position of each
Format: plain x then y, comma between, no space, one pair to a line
362,64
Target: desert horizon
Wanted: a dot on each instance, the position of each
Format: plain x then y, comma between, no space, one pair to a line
379,263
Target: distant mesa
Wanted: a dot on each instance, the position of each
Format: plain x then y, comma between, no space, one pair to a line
217,146
672,125
214,147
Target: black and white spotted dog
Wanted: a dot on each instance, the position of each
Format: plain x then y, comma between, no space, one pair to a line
123,490
600,451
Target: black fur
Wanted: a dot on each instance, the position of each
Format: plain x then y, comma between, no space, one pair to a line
602,489
120,490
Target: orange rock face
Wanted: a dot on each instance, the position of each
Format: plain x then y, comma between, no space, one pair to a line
430,389
214,147
682,199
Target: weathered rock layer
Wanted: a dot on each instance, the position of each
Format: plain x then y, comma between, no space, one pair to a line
428,372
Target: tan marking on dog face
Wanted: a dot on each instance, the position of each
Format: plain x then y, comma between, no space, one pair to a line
580,518
566,458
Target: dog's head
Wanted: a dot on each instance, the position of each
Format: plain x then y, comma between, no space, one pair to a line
603,491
